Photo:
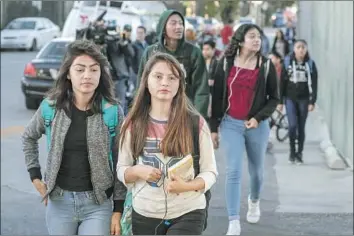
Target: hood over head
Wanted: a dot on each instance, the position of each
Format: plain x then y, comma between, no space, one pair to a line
160,28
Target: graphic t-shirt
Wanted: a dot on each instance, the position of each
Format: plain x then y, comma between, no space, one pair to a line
148,197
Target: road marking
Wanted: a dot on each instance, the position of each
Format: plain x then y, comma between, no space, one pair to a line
12,130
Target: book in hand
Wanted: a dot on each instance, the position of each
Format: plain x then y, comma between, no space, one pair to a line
184,168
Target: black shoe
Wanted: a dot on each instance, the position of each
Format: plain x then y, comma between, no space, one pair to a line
292,158
298,158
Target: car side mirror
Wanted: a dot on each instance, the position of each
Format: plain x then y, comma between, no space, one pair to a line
40,28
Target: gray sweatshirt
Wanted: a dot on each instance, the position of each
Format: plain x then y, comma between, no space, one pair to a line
98,140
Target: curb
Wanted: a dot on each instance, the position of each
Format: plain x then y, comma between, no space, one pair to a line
332,157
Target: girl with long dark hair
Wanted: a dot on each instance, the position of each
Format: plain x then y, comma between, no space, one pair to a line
79,181
245,94
299,94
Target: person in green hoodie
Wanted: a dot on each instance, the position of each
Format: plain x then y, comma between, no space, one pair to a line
170,29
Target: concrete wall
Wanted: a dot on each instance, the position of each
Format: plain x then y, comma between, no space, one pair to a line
328,28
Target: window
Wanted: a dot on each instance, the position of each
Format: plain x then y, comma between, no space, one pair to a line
54,50
21,24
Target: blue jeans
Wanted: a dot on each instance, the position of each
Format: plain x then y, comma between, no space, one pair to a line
77,213
121,91
297,111
234,139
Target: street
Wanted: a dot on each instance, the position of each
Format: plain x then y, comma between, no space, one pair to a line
296,200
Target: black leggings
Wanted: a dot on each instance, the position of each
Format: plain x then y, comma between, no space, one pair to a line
297,111
191,223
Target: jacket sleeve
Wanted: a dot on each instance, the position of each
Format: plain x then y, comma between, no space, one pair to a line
200,85
119,189
217,97
314,84
272,91
33,132
283,84
143,61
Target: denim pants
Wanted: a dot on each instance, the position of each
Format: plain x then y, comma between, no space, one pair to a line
77,213
235,138
121,91
297,111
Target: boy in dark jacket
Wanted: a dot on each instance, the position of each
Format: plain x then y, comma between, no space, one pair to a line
170,30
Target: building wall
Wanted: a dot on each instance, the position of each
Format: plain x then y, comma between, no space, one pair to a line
328,28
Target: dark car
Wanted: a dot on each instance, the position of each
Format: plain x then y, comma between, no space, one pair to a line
40,74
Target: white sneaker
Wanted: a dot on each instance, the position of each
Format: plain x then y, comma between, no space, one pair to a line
234,228
253,213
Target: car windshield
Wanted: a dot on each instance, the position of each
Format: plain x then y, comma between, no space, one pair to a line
20,24
192,21
54,50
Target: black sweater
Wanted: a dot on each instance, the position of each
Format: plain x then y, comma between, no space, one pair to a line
266,94
300,89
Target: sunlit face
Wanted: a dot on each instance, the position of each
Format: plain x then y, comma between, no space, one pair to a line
162,83
208,51
84,74
300,50
252,40
174,27
275,60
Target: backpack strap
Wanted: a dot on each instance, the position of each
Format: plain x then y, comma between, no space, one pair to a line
196,152
48,114
110,118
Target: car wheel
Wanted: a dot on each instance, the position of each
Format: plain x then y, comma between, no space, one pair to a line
31,103
34,45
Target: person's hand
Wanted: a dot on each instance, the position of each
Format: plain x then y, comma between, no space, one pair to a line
176,185
252,123
311,107
115,223
215,139
149,173
41,188
280,107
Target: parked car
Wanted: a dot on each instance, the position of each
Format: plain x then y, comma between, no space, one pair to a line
30,33
40,74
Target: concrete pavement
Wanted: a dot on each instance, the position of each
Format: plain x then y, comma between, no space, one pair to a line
297,200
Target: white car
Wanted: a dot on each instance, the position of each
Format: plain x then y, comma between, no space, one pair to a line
30,33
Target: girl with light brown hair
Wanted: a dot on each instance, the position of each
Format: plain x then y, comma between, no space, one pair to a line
157,134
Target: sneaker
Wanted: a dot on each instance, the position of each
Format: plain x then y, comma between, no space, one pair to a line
253,213
292,158
298,158
234,228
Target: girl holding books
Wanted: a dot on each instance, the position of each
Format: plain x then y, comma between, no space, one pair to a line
155,136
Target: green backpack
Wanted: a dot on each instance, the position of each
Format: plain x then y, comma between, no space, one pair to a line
110,117
126,220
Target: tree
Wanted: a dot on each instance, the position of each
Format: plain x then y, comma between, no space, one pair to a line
228,10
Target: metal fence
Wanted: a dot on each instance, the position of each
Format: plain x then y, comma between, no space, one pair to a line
328,28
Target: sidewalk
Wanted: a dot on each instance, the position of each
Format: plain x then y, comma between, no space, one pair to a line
296,200
310,199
